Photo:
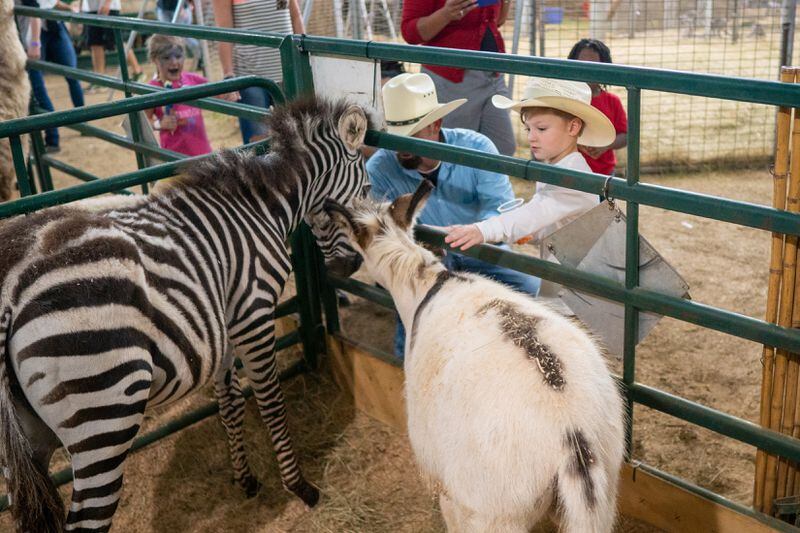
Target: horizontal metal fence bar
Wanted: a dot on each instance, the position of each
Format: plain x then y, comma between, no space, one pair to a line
211,104
298,367
386,357
131,105
112,184
229,35
72,171
717,421
713,207
364,290
673,81
286,308
119,140
776,524
686,310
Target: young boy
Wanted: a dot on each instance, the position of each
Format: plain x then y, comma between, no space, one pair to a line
558,116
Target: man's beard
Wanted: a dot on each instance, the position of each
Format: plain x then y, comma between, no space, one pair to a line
410,163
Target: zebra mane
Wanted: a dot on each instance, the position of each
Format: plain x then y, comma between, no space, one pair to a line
292,128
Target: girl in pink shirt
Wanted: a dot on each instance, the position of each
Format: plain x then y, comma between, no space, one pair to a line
181,126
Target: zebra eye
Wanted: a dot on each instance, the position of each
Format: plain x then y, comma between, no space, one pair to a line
366,190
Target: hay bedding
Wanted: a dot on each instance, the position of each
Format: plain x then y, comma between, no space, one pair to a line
365,469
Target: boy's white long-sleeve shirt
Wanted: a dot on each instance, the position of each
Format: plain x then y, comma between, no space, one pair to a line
551,208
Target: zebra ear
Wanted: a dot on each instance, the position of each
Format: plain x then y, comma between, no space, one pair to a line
404,209
353,127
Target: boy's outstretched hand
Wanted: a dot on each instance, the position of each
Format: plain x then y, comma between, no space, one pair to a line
463,237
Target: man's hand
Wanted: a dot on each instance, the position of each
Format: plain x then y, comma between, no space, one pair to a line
456,9
34,51
104,9
463,237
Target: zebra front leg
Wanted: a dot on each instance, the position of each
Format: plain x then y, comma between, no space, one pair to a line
261,369
231,411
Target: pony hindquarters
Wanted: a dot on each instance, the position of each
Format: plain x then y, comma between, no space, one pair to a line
509,403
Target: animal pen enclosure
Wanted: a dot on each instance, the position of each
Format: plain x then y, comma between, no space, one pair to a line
741,38
658,488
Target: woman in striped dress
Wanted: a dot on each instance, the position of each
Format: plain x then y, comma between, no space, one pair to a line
280,16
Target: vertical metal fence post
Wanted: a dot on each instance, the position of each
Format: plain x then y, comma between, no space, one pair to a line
23,179
133,117
297,80
37,151
631,261
42,168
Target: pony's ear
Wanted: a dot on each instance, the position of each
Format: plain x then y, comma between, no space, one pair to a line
352,127
342,218
404,209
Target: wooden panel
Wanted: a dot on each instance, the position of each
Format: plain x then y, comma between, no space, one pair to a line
376,386
377,389
660,503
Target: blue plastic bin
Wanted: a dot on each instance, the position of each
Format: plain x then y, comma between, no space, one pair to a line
553,15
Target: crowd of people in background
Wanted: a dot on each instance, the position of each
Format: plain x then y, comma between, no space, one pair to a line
463,24
460,107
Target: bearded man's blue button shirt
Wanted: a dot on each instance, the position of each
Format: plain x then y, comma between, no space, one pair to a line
462,195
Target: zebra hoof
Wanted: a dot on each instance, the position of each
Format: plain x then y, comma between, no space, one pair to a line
250,485
306,492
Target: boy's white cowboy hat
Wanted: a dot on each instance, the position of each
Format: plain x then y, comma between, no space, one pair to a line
410,103
573,97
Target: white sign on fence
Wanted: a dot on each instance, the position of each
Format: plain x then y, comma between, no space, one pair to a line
359,81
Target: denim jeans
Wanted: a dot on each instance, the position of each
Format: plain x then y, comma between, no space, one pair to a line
259,97
57,48
461,263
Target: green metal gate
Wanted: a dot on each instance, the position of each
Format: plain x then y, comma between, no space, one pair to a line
315,289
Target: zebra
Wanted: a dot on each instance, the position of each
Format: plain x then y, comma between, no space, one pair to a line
111,307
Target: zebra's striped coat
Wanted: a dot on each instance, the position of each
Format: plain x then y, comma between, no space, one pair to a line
107,310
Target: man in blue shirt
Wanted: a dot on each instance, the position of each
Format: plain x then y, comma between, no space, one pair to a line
463,195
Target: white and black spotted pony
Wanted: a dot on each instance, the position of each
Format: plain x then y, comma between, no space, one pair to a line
510,405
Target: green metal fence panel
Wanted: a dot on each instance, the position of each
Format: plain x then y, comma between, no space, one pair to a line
298,80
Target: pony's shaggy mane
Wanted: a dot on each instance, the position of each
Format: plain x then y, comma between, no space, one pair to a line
398,252
292,127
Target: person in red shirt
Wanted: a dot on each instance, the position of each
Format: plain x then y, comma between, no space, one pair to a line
467,25
602,160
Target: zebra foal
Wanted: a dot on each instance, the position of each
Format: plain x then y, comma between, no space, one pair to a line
112,307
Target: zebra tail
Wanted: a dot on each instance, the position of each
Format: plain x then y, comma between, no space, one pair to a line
35,502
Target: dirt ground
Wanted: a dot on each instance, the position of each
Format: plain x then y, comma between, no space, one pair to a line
365,469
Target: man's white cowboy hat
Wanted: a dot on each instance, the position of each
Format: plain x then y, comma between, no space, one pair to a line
573,97
410,103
